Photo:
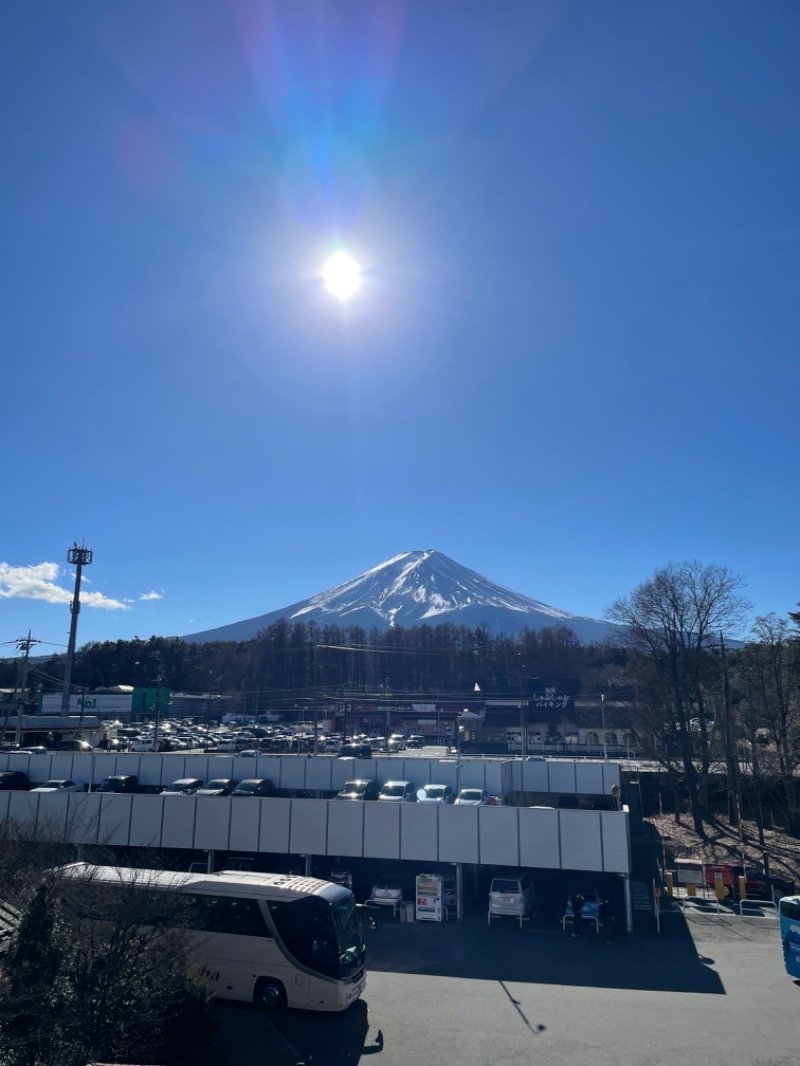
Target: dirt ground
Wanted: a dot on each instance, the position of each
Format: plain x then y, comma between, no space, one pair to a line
726,844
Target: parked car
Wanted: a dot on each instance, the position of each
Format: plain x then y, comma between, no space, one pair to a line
355,750
255,786
175,744
143,744
592,901
119,784
359,789
398,792
513,894
249,753
113,744
60,785
75,745
184,786
14,781
435,794
389,890
35,749
472,797
218,786
226,744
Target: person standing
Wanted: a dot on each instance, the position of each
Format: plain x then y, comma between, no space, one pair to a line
577,902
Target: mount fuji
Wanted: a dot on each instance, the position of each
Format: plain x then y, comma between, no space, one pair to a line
418,588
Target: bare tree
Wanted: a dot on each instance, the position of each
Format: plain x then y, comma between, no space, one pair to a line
769,676
671,620
92,971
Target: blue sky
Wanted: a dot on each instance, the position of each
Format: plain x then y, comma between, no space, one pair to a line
573,358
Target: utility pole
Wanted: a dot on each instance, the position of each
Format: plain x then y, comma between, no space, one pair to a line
24,644
459,730
158,714
77,557
158,708
523,715
316,699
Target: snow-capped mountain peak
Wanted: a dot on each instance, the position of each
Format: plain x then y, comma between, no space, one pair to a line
418,588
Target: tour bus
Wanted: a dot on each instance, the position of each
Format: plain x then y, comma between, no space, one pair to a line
276,940
789,917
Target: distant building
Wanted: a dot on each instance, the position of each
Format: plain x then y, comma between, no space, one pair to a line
104,703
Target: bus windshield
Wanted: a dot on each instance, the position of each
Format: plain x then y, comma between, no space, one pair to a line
348,937
320,935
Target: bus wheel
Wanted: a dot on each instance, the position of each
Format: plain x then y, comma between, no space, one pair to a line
270,994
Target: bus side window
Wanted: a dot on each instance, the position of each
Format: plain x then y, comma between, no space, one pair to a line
228,914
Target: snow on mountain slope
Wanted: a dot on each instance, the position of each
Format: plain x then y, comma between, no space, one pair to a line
418,588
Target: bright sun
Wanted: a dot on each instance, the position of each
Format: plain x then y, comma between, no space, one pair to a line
342,276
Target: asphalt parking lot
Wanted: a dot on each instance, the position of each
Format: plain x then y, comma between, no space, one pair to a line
710,989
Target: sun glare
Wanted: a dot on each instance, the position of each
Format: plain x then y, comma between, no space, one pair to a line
342,276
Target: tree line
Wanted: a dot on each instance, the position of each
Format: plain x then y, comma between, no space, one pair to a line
290,658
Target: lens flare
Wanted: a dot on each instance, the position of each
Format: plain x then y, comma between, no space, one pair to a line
342,276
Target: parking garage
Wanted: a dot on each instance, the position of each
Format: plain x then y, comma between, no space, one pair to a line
580,837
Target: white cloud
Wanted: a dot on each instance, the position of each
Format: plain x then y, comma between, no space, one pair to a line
39,583
152,595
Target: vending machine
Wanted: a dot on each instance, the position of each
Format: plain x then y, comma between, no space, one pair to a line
429,898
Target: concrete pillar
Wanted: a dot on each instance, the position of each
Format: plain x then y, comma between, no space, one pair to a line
626,884
459,892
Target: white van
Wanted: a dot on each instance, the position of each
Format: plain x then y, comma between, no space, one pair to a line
514,894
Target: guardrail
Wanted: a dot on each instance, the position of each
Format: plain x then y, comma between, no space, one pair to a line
771,904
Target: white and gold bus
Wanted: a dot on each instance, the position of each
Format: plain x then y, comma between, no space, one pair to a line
277,940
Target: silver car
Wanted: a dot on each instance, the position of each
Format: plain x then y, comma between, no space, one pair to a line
60,785
184,786
398,792
436,794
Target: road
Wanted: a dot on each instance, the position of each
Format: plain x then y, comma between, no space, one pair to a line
708,991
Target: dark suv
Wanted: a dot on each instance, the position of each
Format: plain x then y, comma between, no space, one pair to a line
14,781
360,790
255,786
355,750
119,784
